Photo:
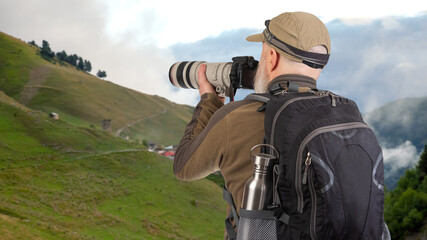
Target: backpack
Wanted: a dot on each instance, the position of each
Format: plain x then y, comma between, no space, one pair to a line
329,175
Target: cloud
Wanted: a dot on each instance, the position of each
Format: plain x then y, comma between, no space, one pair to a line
189,20
402,113
220,48
378,62
390,23
372,62
81,27
402,156
70,25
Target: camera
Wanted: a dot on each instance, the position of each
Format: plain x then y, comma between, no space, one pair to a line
225,77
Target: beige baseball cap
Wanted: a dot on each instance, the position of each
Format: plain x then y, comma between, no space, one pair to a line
292,34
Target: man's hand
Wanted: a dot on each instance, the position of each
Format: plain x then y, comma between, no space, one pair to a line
204,85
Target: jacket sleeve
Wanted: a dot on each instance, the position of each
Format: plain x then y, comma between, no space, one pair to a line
204,142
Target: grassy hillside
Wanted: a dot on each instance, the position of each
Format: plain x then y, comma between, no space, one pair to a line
116,196
26,133
83,99
68,179
17,59
58,181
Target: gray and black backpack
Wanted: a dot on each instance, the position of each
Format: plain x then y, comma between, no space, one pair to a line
329,174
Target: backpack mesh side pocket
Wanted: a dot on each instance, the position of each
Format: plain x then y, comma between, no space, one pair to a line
256,225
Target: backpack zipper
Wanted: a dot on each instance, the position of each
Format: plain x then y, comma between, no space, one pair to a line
307,165
313,206
325,167
287,103
308,138
317,94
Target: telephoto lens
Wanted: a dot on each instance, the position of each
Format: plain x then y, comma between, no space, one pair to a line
225,77
184,75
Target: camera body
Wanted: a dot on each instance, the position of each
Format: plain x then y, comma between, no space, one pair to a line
225,77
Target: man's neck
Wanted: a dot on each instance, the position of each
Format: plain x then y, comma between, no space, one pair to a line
301,80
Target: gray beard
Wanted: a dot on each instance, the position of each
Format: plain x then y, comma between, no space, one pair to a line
261,79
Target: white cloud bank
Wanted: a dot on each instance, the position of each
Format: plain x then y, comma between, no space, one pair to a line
402,156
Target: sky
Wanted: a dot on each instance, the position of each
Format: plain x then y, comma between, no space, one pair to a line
136,41
378,47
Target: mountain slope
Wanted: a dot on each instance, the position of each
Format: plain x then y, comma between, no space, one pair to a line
68,179
83,99
26,133
401,130
401,120
59,181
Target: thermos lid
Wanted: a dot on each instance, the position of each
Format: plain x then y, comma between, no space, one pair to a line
262,158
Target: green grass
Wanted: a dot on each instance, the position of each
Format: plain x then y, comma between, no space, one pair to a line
14,138
151,128
58,181
116,196
67,179
82,99
30,134
16,61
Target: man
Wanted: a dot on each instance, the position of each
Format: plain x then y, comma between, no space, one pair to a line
295,47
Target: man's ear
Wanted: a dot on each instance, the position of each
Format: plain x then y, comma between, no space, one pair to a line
274,58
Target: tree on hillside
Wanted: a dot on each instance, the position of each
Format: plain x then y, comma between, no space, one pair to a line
88,66
33,43
101,74
422,164
405,208
45,51
80,64
72,59
62,56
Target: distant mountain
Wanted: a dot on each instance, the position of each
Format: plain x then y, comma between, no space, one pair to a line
401,128
401,120
85,100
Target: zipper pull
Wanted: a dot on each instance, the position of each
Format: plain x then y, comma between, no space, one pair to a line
315,92
307,165
334,103
276,177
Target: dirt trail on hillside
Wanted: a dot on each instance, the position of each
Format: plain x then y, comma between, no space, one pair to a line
37,77
107,153
140,120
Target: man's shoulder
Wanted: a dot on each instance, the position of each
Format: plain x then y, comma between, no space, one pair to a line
238,105
238,108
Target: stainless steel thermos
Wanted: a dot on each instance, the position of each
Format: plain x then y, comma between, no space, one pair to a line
258,191
258,195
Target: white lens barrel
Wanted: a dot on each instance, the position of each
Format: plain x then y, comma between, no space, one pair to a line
184,75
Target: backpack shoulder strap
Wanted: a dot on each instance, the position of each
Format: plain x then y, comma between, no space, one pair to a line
264,98
232,216
258,97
